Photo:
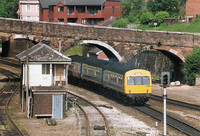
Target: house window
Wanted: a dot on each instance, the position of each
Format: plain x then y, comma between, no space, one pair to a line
37,8
60,9
60,20
45,69
70,10
83,21
28,18
113,9
28,8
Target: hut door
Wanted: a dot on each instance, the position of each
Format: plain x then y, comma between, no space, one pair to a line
59,74
57,107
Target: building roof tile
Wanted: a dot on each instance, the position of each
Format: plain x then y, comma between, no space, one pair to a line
43,53
47,3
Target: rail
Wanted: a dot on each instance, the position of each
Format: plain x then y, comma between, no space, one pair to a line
10,75
171,121
104,118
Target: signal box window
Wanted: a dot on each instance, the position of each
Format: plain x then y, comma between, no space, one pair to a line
45,69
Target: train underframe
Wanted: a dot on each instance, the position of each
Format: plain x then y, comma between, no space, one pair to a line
133,99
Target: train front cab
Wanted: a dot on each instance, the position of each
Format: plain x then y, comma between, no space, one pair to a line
138,85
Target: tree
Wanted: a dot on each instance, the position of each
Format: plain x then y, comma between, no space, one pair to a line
146,18
131,6
192,66
121,22
160,16
173,7
8,8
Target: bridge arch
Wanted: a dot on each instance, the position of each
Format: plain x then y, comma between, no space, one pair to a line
16,43
169,51
110,52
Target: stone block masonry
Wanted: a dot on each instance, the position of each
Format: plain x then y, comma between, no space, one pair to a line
47,29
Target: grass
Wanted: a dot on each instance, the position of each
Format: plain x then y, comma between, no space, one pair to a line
179,27
76,50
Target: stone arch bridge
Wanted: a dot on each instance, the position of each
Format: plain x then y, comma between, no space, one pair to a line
119,44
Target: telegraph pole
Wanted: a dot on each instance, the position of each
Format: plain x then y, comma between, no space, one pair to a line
27,77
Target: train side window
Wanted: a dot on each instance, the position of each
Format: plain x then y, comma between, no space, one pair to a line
98,73
130,80
105,76
145,80
85,70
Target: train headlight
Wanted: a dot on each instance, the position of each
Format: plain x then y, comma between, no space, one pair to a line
147,85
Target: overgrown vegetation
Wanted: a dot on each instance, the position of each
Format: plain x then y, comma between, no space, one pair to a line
121,23
146,18
179,27
160,16
152,11
8,8
76,50
192,66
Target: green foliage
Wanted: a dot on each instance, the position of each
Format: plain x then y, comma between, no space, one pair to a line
192,66
121,23
8,8
0,45
76,50
173,7
131,6
132,18
146,18
178,27
160,16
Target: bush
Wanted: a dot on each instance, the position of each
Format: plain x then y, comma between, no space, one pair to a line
192,66
160,16
122,23
146,18
132,18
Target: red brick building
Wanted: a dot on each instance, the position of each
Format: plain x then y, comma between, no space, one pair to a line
192,9
88,12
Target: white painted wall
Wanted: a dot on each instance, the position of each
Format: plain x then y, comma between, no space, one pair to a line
36,78
31,13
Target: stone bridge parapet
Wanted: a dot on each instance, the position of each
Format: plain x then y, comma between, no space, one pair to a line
181,42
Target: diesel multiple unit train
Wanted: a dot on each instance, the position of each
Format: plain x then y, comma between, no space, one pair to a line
117,79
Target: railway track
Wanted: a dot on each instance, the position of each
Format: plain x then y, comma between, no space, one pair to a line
8,126
171,121
95,121
175,102
10,62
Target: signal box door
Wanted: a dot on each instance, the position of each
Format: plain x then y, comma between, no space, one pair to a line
57,106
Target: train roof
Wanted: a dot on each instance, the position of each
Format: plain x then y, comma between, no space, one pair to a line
120,68
89,61
117,67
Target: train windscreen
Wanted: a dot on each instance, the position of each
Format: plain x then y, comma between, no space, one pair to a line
139,80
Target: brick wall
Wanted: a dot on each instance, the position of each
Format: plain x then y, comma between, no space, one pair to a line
192,8
42,104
